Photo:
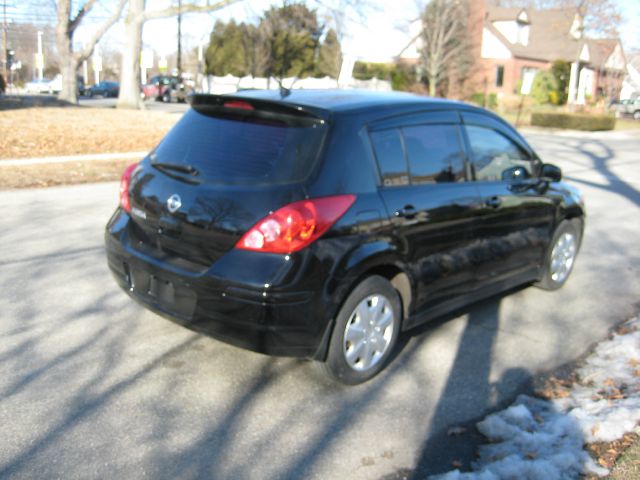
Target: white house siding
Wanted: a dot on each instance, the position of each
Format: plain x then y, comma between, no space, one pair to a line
492,47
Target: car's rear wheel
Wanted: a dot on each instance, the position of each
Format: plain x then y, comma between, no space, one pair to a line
561,256
636,115
365,332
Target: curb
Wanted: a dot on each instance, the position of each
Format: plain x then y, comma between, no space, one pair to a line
18,162
616,134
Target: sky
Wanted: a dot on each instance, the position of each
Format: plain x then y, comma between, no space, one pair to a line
381,35
377,35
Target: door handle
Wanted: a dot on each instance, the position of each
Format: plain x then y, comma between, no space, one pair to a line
493,202
408,211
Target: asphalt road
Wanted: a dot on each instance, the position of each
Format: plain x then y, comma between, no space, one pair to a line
94,386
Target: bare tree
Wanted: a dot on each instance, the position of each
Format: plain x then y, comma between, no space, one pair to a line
446,41
137,14
69,59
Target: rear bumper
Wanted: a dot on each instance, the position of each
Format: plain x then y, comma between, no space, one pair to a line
269,314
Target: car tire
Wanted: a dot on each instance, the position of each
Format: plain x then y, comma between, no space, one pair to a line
636,115
365,332
166,97
561,255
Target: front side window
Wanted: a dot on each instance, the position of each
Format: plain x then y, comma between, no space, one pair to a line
496,157
434,153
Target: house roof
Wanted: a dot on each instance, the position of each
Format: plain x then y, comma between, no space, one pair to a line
600,50
549,33
497,14
550,36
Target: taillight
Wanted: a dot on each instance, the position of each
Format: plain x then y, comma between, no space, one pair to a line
125,181
296,225
239,104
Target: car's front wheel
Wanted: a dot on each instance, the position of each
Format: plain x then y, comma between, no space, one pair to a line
365,332
561,256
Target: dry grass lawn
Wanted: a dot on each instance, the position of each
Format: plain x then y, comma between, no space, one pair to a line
49,131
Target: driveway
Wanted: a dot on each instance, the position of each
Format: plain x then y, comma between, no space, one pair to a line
94,386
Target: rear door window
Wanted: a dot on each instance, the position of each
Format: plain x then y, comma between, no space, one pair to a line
242,150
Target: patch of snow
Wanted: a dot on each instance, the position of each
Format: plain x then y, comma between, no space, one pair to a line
540,439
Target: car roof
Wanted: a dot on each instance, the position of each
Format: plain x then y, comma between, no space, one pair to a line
334,100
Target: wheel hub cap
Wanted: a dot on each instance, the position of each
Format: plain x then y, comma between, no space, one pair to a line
368,333
562,257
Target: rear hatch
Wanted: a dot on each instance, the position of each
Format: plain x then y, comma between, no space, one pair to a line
225,165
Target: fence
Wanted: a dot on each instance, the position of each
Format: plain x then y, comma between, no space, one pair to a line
231,84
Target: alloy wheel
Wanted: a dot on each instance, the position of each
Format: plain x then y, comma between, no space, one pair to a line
562,257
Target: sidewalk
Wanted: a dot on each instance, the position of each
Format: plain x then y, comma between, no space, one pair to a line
17,162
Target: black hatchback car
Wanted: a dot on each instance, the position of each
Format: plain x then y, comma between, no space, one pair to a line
323,223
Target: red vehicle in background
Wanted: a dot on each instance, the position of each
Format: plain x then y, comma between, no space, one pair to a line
166,88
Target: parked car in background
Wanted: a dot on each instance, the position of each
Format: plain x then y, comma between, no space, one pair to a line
167,89
104,89
628,108
152,90
324,223
45,85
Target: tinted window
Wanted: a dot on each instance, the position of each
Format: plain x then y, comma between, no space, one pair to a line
245,151
390,155
434,153
496,157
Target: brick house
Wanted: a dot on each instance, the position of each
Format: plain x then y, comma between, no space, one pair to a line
511,44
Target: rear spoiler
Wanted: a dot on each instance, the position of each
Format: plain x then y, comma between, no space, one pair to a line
231,105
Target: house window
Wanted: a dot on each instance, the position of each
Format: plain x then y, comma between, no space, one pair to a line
499,75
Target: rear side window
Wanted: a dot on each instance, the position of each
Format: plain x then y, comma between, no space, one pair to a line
390,155
419,154
242,150
434,153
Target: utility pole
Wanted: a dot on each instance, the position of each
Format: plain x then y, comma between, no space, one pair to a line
5,49
40,57
179,60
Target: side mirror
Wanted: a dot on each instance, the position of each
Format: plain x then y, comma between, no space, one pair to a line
550,173
515,174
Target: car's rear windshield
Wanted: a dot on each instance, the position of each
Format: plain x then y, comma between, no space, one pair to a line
242,149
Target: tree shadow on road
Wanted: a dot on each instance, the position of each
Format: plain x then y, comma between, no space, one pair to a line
469,390
601,156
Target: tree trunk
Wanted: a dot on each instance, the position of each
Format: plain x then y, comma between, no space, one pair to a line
129,96
68,69
432,79
68,63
